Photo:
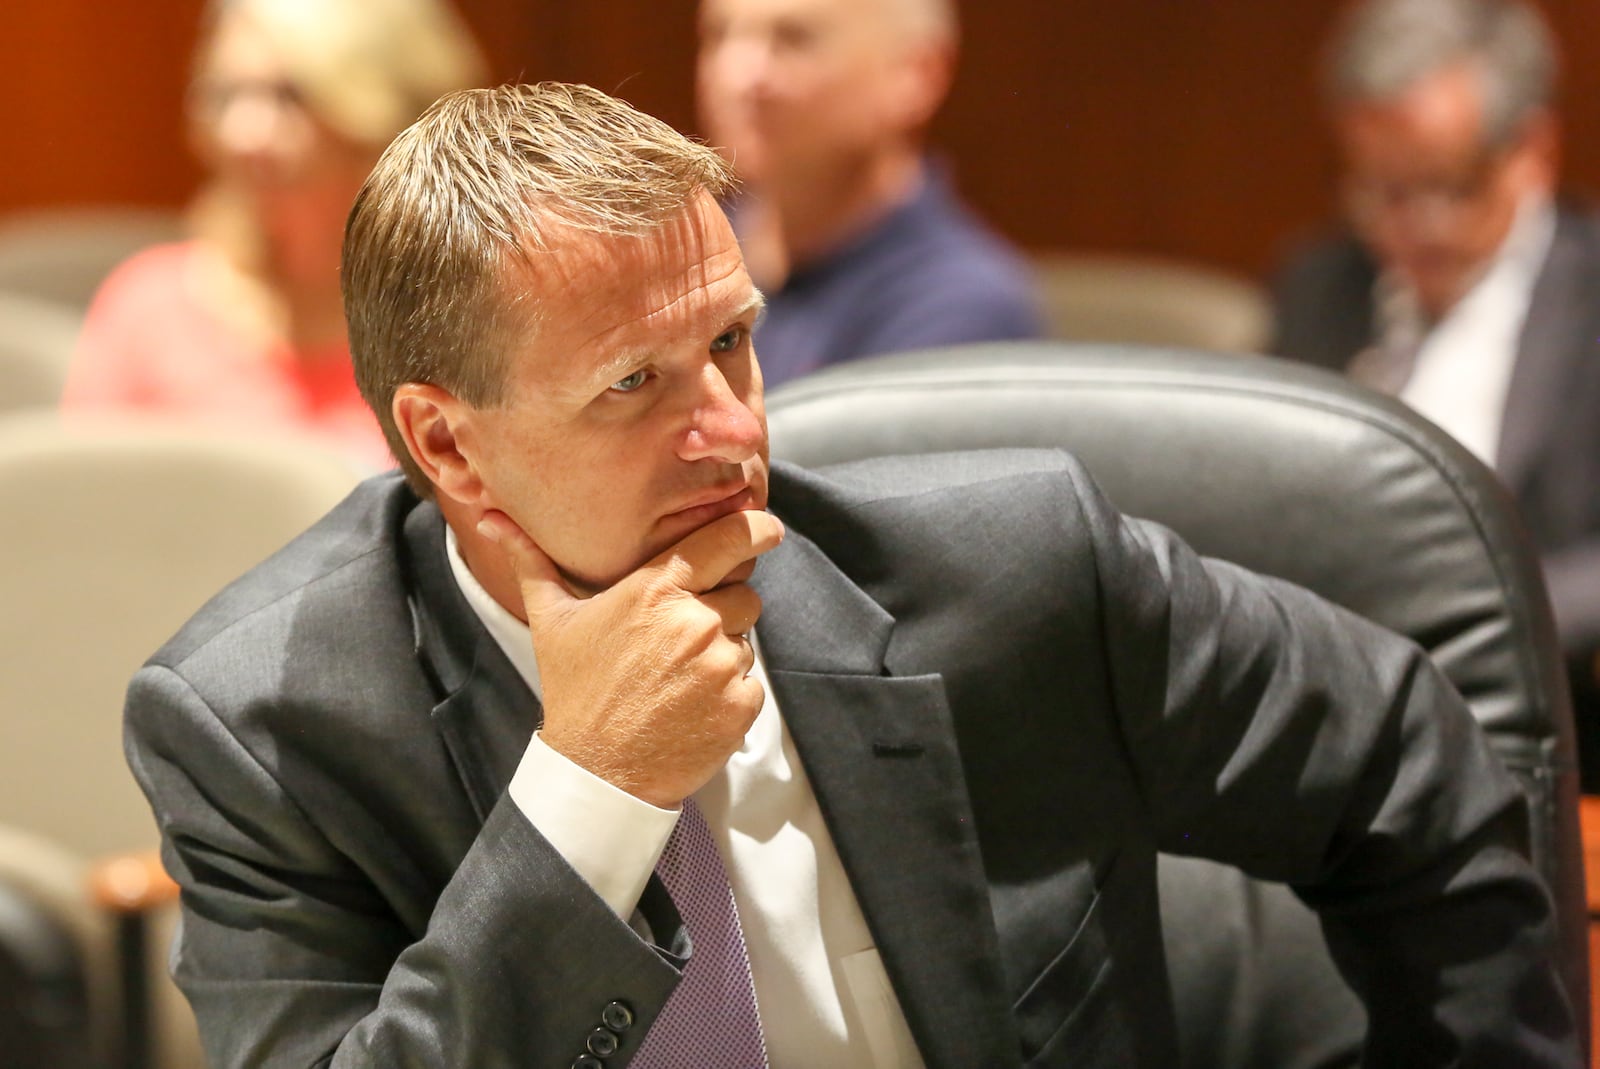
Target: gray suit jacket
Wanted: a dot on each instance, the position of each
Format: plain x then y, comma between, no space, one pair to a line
1549,454
1007,698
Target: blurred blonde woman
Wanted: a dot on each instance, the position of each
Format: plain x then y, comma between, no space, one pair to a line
291,103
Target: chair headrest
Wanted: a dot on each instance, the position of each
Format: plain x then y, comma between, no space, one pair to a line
1282,468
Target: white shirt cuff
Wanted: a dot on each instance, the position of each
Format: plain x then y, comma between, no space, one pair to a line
610,837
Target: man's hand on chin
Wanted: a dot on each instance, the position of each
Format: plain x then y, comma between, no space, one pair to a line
645,683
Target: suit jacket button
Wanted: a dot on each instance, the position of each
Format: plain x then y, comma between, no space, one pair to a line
617,1017
588,1061
602,1043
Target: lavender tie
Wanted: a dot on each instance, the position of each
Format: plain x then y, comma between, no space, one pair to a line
710,1020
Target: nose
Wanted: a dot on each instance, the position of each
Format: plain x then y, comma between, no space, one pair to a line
245,123
727,422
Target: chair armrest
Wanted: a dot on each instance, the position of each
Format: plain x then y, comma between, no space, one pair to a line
135,883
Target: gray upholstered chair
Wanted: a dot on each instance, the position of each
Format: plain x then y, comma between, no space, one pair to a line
1295,473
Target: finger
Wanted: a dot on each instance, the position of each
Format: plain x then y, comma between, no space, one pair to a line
542,587
703,559
738,605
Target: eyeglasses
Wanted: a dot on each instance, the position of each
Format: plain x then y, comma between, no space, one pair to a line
209,98
1431,204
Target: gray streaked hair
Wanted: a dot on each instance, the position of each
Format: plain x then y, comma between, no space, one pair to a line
464,199
1385,46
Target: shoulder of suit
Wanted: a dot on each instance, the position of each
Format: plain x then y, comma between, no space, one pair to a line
1333,260
910,475
338,565
1579,229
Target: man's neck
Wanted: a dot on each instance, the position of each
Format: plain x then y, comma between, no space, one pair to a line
488,564
805,217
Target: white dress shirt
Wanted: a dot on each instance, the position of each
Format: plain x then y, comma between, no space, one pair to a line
820,984
1463,364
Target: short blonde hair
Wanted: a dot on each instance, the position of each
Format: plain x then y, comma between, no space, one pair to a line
458,201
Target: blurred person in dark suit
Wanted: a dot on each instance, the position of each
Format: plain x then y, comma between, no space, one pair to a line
857,238
290,103
1461,284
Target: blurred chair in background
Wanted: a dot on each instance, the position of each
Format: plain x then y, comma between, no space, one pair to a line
858,240
1460,283
1151,301
290,105
119,532
36,339
58,960
1294,473
63,255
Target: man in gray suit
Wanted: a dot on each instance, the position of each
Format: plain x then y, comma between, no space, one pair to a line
1463,286
495,766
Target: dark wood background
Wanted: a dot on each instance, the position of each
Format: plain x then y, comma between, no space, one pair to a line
1174,127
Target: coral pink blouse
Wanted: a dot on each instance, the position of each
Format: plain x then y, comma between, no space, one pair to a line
149,346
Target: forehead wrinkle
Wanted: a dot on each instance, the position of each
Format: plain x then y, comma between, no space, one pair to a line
622,359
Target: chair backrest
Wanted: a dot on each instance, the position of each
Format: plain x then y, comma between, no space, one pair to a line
36,348
36,341
1293,472
114,534
63,255
1151,301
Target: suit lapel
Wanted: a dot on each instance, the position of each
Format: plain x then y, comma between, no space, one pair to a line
879,750
487,713
1559,304
880,753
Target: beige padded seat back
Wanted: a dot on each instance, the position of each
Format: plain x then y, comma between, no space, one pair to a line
1151,301
112,537
114,534
36,341
62,255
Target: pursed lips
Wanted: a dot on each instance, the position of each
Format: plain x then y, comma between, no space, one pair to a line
713,504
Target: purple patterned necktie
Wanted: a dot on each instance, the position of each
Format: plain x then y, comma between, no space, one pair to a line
710,1021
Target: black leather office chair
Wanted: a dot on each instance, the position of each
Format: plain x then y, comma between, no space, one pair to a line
1296,473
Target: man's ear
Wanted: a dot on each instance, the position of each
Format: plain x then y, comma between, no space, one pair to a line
1542,148
436,427
923,78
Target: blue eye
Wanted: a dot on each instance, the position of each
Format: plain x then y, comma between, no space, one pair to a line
631,383
728,341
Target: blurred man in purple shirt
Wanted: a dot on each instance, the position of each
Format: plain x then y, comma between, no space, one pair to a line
859,242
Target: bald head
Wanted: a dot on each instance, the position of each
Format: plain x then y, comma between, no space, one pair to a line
795,89
919,18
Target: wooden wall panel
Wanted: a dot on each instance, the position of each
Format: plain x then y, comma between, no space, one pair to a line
93,93
1146,125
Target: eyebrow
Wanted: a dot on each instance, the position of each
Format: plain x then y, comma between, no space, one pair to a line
622,362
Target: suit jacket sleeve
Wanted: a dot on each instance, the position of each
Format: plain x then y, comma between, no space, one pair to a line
292,957
1275,732
1573,576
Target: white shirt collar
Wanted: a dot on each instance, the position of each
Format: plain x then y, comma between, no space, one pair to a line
510,633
